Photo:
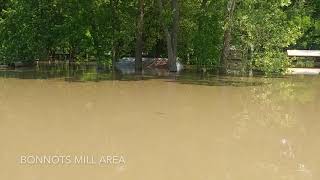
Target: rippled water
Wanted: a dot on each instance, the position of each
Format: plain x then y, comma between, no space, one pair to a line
170,127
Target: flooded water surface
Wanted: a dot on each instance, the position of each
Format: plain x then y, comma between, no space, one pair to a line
176,127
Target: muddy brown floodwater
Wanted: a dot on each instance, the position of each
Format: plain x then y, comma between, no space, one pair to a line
164,128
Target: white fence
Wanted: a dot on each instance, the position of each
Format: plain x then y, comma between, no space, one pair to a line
304,53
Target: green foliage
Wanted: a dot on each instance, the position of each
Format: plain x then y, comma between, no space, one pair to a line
104,29
201,39
37,29
271,62
303,62
266,28
311,38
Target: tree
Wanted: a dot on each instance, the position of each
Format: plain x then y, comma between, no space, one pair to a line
139,40
227,35
266,28
199,32
172,33
311,38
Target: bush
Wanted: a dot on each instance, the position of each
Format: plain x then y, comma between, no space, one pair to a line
272,62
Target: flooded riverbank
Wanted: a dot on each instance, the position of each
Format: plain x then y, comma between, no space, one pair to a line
185,126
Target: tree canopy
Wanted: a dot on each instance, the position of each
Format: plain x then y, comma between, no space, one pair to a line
194,31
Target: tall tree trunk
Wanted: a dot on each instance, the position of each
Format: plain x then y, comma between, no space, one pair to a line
139,40
171,60
201,19
171,37
72,54
114,53
174,35
227,35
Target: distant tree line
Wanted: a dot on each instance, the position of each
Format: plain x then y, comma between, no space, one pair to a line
198,32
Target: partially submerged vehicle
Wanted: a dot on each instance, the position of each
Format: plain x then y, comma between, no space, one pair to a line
2,66
153,65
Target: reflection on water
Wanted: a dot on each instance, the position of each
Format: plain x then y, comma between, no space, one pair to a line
185,126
